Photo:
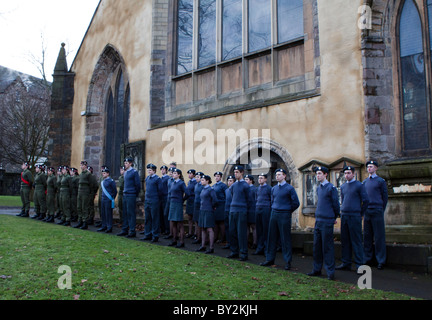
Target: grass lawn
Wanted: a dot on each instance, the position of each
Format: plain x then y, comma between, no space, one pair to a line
106,267
10,201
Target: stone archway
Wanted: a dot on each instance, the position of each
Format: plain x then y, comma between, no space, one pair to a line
243,151
102,84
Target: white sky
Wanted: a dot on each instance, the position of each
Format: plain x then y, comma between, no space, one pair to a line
22,22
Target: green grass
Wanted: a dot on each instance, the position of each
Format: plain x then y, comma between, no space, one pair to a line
109,267
10,201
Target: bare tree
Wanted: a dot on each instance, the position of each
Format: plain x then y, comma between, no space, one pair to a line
25,121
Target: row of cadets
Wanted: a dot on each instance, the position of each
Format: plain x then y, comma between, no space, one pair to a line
107,204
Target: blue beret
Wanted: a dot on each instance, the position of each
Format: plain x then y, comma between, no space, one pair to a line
321,168
239,168
348,168
218,173
281,170
372,162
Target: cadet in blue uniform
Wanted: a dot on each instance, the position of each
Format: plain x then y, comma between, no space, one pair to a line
177,197
197,205
262,213
153,193
251,214
190,201
374,226
219,187
164,225
207,218
325,217
354,202
228,200
240,205
109,193
132,188
284,203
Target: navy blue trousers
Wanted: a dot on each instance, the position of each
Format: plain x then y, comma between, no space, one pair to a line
374,235
352,239
280,225
323,247
129,215
262,218
152,219
238,230
106,214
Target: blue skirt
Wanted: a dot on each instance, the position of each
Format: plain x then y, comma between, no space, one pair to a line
196,213
190,207
176,211
206,219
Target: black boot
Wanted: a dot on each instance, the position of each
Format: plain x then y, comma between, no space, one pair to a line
41,217
26,214
21,213
79,225
36,215
84,226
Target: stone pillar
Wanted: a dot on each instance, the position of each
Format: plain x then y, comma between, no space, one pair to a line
62,96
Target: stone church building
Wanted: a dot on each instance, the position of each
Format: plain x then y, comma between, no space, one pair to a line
264,83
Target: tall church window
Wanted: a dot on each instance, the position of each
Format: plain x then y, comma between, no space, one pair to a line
117,122
415,106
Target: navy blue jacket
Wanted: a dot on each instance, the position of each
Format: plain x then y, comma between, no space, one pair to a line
132,184
219,188
228,199
110,186
153,188
178,191
197,192
208,199
376,189
354,198
284,198
241,197
165,179
264,196
191,189
328,207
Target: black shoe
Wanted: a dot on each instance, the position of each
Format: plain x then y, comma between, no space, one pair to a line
84,226
209,251
267,263
243,258
41,217
67,224
343,267
20,214
35,216
256,253
101,229
155,239
233,256
380,266
121,234
98,224
180,245
79,225
62,222
172,244
131,235
168,237
196,241
201,249
288,266
146,238
314,274
330,277
26,215
108,230
226,246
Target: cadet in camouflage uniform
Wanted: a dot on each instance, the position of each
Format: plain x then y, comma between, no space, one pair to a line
74,195
39,196
65,196
83,196
59,177
94,187
26,185
51,195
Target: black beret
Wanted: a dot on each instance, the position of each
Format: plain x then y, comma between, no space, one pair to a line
164,167
249,176
281,170
151,166
208,178
263,175
239,168
321,168
348,168
372,162
218,173
105,169
84,162
200,173
193,171
231,177
177,170
128,159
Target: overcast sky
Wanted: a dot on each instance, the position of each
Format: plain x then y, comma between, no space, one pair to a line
22,22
